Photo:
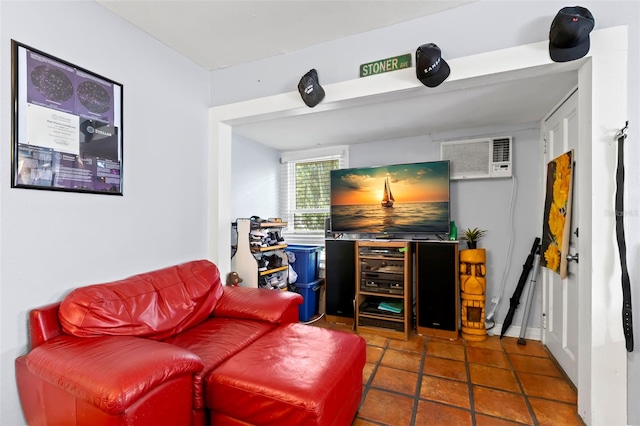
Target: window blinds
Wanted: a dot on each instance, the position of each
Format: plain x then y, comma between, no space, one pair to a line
305,192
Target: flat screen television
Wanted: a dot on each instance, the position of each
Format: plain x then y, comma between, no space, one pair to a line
395,201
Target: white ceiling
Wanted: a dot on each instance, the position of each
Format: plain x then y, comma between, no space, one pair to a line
218,34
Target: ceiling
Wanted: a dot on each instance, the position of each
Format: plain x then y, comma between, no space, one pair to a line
222,33
217,34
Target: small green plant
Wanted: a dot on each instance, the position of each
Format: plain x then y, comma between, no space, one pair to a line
472,236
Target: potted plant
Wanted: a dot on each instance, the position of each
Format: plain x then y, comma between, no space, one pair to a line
472,236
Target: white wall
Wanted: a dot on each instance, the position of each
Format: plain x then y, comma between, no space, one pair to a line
255,178
483,26
52,242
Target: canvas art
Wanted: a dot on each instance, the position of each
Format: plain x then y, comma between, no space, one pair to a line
556,226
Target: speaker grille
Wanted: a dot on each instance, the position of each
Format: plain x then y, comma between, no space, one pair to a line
437,290
340,277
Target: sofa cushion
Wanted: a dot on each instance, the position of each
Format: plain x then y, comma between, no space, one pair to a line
156,304
278,307
215,341
294,375
109,372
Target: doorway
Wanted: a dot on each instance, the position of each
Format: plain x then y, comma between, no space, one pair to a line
602,74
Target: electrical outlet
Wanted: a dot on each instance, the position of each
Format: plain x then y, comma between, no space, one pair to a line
544,321
495,299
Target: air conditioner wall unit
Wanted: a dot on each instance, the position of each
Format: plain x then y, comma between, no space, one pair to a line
483,158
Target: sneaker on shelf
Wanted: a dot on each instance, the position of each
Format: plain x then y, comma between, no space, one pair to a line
262,282
271,239
257,233
274,260
255,246
262,264
274,281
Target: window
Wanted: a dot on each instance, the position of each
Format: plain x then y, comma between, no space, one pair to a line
305,195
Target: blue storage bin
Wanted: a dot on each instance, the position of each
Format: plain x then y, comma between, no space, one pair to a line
309,292
307,264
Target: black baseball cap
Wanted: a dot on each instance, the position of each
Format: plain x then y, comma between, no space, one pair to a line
569,34
431,69
310,90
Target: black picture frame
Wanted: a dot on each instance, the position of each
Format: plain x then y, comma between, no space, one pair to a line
67,126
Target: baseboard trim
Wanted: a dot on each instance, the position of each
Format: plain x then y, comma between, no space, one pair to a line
514,331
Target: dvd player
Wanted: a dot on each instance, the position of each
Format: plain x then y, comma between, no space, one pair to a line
378,285
380,251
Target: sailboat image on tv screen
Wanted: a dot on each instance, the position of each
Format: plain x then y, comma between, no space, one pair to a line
387,197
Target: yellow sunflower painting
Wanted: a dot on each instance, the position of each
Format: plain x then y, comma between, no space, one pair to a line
557,214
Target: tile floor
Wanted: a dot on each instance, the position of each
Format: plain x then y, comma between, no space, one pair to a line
433,381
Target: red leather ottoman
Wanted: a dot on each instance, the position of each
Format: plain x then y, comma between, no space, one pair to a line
295,375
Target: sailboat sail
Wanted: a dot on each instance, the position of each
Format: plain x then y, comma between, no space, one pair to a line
387,197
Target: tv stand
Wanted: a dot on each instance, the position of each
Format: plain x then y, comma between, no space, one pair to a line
436,268
383,288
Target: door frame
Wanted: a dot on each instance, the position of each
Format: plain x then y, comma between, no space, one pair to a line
602,81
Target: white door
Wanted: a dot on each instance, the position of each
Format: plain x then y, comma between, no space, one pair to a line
560,296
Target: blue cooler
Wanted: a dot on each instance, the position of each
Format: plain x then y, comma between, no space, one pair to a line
309,292
307,264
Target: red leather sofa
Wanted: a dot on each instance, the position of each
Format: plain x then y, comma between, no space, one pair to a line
176,347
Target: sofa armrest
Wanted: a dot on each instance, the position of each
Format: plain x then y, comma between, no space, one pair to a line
277,307
110,372
44,324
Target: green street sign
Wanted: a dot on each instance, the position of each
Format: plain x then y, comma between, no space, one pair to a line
386,65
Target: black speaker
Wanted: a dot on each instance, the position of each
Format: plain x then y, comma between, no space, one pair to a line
340,277
437,291
327,228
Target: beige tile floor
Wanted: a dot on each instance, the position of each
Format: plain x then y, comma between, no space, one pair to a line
432,381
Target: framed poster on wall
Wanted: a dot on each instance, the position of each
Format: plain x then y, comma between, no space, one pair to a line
67,126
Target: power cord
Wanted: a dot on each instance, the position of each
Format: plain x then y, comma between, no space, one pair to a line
314,319
489,319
